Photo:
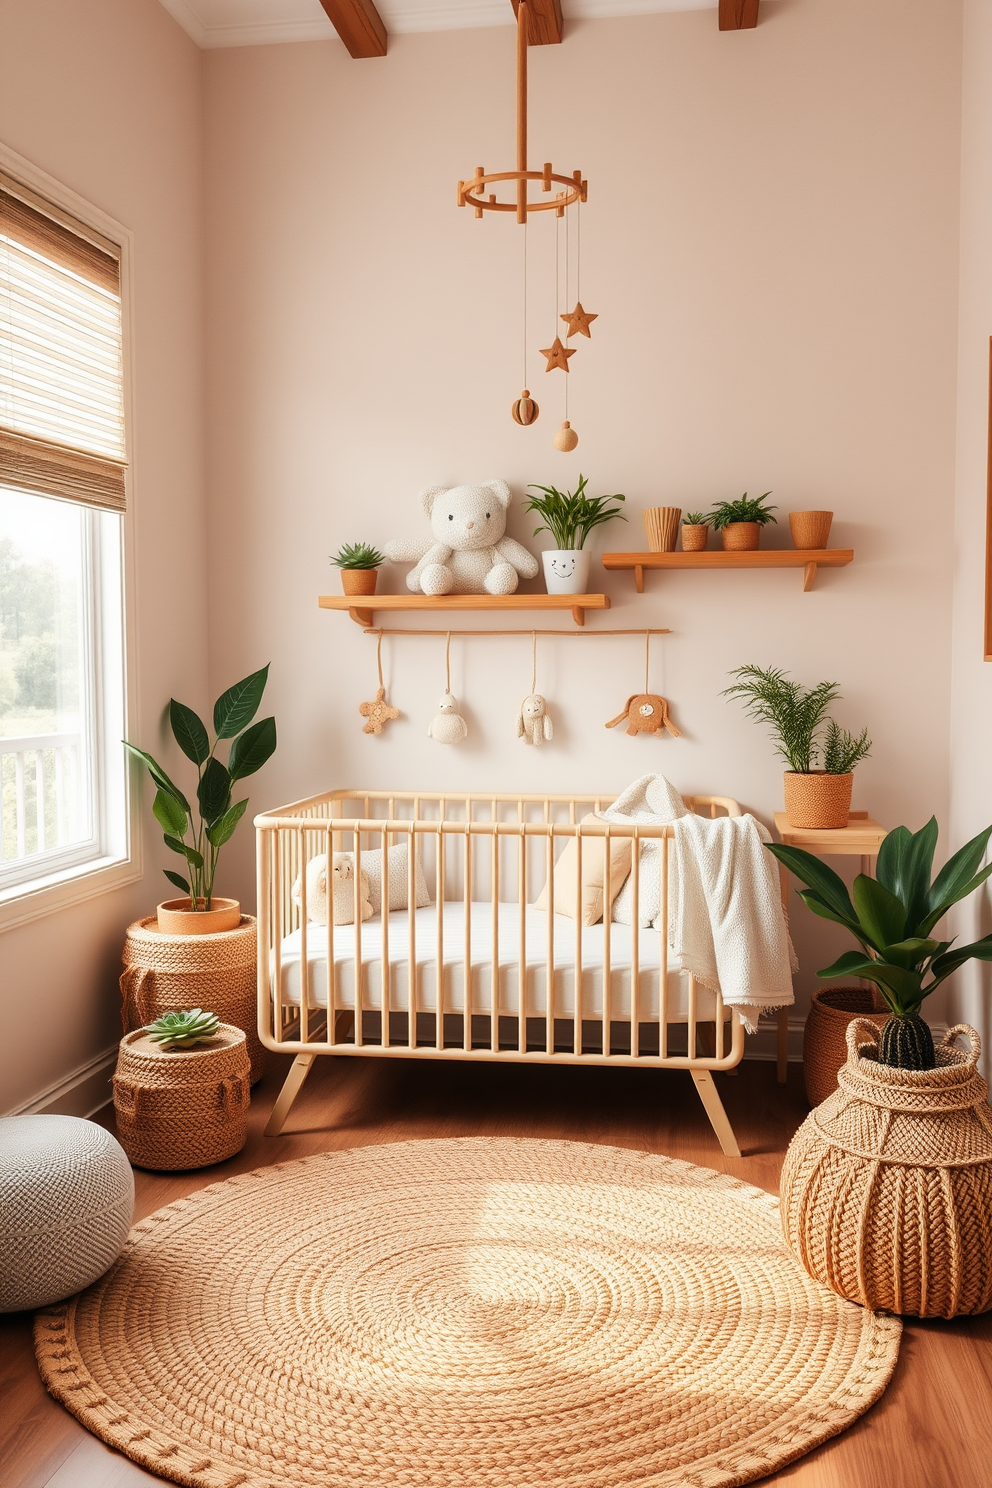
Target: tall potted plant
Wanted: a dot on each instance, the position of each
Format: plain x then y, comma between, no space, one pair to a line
569,516
739,523
821,756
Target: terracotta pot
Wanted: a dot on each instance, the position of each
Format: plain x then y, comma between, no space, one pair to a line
661,523
886,1188
818,801
359,580
176,918
741,536
810,529
825,1035
694,535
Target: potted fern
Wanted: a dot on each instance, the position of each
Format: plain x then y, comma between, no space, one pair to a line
739,523
359,564
820,755
570,516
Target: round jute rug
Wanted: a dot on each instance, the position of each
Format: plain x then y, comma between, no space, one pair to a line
477,1313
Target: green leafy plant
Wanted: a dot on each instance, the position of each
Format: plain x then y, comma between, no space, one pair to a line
695,519
570,516
251,745
798,717
746,509
892,917
358,555
183,1030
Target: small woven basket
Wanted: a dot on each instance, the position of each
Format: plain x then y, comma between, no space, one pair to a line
887,1187
174,973
831,1010
817,801
182,1108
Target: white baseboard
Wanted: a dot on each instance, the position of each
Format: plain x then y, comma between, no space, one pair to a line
80,1094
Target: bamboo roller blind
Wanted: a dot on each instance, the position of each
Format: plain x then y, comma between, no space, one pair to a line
61,357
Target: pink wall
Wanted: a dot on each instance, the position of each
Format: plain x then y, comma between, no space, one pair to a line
105,96
771,243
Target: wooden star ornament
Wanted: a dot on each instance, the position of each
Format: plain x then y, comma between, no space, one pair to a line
579,321
557,355
377,713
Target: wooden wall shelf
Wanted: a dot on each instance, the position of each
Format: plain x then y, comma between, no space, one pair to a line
809,559
360,606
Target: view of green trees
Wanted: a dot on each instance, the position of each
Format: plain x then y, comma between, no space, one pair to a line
39,674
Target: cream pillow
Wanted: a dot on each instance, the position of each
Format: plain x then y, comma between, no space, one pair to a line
593,887
397,876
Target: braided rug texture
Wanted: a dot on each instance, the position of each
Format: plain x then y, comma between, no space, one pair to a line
470,1313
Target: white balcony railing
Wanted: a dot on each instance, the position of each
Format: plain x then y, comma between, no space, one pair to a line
44,795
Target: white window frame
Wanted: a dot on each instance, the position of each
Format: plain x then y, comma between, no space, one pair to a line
114,858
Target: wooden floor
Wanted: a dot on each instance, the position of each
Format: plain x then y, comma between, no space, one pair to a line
932,1428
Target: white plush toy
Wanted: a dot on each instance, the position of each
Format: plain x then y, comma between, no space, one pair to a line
447,726
469,554
534,723
343,899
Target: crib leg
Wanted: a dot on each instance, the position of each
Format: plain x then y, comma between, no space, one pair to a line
292,1085
713,1106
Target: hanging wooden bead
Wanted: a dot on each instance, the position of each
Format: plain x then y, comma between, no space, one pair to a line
525,410
566,439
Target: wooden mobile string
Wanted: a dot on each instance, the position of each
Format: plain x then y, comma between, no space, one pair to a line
377,713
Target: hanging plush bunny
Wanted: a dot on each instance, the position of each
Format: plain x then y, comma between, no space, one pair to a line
534,724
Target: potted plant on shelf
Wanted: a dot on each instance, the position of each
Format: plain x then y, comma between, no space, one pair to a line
817,795
695,529
739,523
569,516
359,564
199,912
886,1185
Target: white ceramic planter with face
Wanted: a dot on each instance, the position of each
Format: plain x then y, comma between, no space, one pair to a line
566,570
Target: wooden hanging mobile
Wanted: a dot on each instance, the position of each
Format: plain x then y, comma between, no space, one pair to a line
646,712
378,712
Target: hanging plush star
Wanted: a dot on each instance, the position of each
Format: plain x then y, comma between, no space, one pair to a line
557,355
579,321
378,713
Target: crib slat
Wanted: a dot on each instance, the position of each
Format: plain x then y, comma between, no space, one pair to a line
411,916
522,952
692,1017
635,943
332,965
607,931
663,981
304,918
494,973
385,968
264,892
279,930
549,975
439,943
467,974
357,900
577,974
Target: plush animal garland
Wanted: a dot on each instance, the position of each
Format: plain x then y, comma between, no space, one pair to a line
447,726
534,723
646,712
377,713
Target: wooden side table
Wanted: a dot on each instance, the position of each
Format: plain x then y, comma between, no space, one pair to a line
862,837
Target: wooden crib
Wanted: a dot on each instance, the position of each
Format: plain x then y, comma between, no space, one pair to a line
479,972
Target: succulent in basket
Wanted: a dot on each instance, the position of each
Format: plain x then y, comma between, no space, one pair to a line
740,522
695,527
359,564
892,916
183,1030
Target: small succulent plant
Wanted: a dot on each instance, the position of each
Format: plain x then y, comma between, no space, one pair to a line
695,519
358,555
183,1030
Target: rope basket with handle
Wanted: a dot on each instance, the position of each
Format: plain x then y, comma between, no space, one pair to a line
182,1108
887,1186
174,973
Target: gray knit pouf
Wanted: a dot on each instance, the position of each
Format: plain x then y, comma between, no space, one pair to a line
66,1201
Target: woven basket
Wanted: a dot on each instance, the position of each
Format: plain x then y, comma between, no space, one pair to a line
694,536
825,1035
817,801
173,973
741,537
887,1187
182,1108
810,529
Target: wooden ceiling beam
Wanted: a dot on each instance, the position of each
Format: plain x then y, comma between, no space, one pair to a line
359,26
738,15
546,24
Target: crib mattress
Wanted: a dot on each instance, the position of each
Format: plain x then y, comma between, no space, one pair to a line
480,960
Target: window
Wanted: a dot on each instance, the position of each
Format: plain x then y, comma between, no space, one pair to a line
63,809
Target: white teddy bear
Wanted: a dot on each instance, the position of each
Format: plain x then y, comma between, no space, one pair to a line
470,554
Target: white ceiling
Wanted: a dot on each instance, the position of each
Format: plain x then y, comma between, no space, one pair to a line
228,23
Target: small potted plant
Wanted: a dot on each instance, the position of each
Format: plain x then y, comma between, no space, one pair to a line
739,523
695,530
821,756
359,565
569,516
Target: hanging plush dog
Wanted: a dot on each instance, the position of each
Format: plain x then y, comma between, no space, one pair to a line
646,713
534,724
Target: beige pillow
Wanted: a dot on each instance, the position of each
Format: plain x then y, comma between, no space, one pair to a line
593,888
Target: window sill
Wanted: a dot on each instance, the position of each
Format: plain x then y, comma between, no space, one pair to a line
45,896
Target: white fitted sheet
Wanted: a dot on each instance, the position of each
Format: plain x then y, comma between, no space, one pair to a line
481,970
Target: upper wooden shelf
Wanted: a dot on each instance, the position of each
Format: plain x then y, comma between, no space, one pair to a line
361,606
808,558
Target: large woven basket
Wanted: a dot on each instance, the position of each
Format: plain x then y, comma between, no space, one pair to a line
182,1108
173,973
831,1010
887,1187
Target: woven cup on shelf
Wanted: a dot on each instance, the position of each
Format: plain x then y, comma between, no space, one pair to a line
810,529
887,1186
818,801
661,524
182,1108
